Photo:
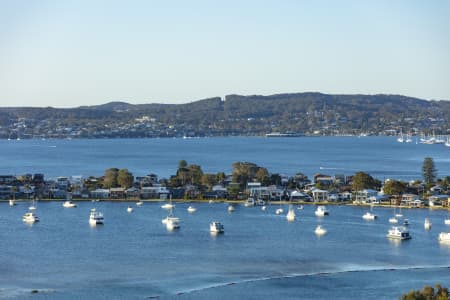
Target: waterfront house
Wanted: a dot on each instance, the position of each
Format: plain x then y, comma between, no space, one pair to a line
299,196
410,200
154,192
320,195
366,196
100,194
7,179
117,193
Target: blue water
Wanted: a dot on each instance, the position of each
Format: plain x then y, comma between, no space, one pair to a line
382,157
260,255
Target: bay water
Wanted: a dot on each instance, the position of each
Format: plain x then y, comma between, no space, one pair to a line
260,255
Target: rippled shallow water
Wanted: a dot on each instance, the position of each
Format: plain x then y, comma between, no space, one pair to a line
261,255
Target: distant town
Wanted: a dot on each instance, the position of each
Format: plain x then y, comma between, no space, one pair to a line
247,181
311,114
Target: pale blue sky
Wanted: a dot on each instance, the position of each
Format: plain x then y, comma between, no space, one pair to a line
72,53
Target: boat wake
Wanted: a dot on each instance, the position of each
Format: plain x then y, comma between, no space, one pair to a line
312,274
330,168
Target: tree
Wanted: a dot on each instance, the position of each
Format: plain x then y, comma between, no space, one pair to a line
110,178
429,171
125,178
363,181
209,180
394,187
182,164
427,293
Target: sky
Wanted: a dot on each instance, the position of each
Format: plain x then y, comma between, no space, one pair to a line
72,53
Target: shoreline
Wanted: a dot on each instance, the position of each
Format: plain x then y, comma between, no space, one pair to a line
241,202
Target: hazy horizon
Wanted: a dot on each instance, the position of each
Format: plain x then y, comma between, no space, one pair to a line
70,54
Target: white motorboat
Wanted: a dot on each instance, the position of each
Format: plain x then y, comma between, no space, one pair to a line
129,209
444,237
95,217
279,211
321,211
320,230
263,207
400,233
291,214
427,224
447,221
300,207
369,216
69,204
30,217
172,223
249,202
393,220
139,203
191,209
12,202
216,227
231,208
261,202
168,206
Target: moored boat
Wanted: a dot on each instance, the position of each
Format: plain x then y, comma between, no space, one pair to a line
427,224
369,216
191,209
291,214
400,233
321,211
172,223
95,217
320,230
231,208
69,204
30,217
444,237
216,227
129,209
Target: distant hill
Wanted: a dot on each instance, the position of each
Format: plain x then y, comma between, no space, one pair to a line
309,113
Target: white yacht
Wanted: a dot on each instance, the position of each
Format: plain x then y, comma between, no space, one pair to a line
95,217
427,224
168,206
191,209
444,237
30,217
393,220
216,227
321,211
249,202
291,214
231,208
139,203
32,206
320,230
261,202
369,216
129,209
69,204
279,211
172,223
400,233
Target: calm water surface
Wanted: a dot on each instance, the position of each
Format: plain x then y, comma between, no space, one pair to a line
260,256
382,157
